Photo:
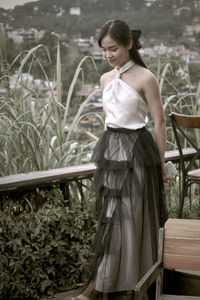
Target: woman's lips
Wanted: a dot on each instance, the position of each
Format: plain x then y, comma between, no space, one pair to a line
111,60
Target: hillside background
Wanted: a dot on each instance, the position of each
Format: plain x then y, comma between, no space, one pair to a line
170,31
161,20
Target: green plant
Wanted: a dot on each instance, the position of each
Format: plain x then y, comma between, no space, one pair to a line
45,249
33,135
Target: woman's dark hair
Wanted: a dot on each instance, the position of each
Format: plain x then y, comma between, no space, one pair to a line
121,33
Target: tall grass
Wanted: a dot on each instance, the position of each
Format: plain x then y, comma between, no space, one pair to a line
187,102
33,136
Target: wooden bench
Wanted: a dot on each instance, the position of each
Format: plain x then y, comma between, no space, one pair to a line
25,181
179,253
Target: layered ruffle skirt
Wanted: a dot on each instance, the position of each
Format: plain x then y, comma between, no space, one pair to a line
130,208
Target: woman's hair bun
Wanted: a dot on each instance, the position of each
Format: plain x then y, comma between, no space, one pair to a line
135,36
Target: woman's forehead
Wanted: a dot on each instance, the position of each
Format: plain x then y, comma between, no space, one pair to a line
107,41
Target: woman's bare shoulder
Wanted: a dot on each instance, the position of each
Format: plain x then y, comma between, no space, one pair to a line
149,77
146,73
106,77
150,84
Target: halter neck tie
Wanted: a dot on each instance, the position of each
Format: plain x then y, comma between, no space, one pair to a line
123,69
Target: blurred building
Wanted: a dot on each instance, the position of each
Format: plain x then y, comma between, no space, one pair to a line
149,2
21,35
75,11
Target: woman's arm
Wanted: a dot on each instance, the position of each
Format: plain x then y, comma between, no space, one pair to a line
102,80
154,101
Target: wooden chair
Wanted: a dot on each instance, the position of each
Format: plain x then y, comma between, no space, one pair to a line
190,172
179,250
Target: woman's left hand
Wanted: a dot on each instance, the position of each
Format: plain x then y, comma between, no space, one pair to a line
166,177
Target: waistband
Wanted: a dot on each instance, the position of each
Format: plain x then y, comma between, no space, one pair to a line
121,129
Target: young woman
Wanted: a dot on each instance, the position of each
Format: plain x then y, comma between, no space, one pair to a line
130,167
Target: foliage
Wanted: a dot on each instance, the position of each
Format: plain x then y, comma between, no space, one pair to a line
191,209
180,89
70,56
45,249
33,135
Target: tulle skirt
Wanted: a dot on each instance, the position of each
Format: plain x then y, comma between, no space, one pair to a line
130,209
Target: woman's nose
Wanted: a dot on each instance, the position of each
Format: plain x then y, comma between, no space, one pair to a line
108,54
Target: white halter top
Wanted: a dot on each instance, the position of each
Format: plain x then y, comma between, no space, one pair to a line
123,106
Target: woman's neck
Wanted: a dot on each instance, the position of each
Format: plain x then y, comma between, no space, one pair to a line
122,65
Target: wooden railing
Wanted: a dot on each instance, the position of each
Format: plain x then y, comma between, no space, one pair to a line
26,181
16,185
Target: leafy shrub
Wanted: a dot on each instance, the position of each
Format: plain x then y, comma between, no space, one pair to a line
191,209
44,249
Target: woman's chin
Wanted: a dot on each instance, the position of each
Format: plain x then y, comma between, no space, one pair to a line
112,62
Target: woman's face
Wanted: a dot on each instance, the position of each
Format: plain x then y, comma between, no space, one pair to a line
116,54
